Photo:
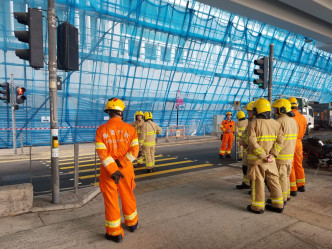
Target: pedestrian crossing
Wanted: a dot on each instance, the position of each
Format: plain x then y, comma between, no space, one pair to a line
165,165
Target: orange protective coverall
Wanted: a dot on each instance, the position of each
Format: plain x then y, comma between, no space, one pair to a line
227,138
117,140
297,176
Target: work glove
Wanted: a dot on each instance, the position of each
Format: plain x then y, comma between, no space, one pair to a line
116,176
118,163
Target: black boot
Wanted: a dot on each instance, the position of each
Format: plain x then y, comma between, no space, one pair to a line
301,189
254,211
288,199
268,201
221,156
242,186
153,169
117,238
228,156
293,193
149,171
133,228
249,192
273,209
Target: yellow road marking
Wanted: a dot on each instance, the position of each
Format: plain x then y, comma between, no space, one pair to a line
157,166
86,165
174,170
168,171
167,164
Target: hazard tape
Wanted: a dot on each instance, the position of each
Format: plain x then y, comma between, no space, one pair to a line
48,128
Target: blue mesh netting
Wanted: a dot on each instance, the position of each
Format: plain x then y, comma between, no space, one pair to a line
144,52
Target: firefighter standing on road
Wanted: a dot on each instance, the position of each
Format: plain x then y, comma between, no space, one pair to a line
284,115
117,148
227,127
148,142
244,143
138,123
265,143
240,127
297,177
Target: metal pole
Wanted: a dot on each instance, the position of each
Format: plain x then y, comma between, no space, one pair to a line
13,112
76,152
52,68
30,164
95,166
270,72
177,116
21,143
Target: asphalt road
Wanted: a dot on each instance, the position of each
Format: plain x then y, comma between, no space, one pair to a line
170,160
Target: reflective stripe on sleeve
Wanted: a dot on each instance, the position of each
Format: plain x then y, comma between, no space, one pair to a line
130,157
107,161
290,136
134,142
258,151
113,224
151,133
285,157
277,147
101,146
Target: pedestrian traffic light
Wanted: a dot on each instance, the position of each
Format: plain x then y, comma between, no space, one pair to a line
34,37
5,93
20,98
261,72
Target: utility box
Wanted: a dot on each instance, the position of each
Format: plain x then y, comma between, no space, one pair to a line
217,119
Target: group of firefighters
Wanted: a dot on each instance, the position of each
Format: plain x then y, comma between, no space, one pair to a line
271,151
268,156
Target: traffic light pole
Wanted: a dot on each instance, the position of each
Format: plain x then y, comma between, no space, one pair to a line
52,69
13,112
270,72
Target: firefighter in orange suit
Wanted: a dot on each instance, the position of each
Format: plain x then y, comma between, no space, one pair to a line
117,147
240,127
297,177
265,143
138,123
227,127
148,143
244,143
284,115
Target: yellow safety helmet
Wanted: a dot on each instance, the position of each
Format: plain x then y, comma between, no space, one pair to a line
250,106
282,105
240,115
148,115
293,102
138,113
228,113
261,105
114,104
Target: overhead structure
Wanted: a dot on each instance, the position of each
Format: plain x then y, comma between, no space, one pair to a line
144,52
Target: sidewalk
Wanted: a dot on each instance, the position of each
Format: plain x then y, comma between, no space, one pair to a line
44,152
199,209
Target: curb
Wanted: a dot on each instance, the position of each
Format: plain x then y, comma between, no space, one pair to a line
54,207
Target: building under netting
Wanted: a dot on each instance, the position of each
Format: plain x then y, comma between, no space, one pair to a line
148,52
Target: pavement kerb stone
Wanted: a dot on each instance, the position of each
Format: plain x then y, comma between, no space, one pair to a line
53,207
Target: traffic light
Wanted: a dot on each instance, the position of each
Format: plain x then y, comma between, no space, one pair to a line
20,98
261,72
34,37
5,93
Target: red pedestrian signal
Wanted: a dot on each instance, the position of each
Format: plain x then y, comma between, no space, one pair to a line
20,98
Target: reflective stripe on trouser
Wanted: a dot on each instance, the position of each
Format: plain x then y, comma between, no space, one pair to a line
148,152
245,178
284,173
257,175
297,176
112,210
140,159
227,141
